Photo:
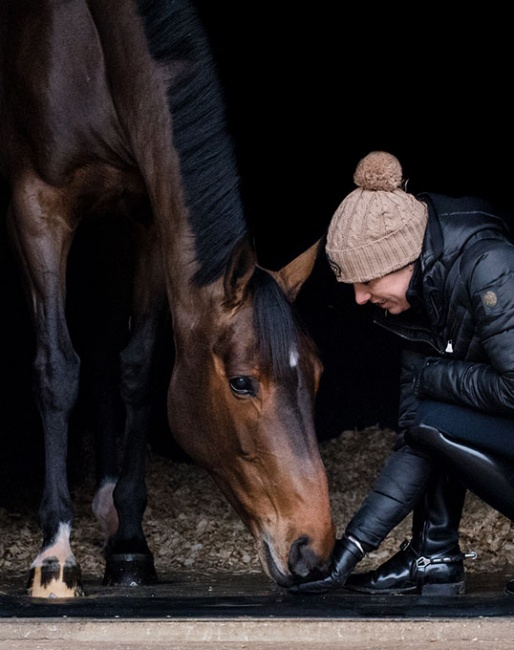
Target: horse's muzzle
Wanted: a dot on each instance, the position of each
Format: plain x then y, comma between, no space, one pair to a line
303,563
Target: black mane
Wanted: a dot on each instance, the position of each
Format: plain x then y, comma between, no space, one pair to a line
175,34
277,325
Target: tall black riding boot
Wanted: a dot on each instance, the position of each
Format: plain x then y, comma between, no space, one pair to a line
431,563
491,478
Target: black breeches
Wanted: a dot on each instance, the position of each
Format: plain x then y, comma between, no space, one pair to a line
491,433
488,475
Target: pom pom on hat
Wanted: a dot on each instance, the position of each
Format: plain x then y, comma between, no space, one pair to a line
378,228
379,170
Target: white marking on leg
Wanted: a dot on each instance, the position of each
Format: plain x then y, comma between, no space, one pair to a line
103,507
60,548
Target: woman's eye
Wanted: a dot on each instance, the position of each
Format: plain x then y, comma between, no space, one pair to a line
242,385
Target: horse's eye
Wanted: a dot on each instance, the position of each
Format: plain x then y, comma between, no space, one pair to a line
242,386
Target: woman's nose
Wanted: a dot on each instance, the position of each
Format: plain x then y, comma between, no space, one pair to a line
362,294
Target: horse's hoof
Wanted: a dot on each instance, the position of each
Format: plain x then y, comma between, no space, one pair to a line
51,579
129,570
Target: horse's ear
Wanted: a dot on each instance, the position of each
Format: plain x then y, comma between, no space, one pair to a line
292,276
241,267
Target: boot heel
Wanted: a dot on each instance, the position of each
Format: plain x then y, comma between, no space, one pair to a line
442,589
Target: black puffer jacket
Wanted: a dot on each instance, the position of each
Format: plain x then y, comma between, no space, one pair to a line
459,334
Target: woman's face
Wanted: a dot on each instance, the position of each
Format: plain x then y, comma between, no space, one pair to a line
388,292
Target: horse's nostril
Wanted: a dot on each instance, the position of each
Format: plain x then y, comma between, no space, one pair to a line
303,561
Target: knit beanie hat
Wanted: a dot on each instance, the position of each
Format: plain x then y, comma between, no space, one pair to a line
378,228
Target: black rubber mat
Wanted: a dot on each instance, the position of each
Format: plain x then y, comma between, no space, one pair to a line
254,596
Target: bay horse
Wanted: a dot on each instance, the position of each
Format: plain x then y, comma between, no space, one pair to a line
112,109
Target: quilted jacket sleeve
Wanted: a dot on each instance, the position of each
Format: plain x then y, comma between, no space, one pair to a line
488,387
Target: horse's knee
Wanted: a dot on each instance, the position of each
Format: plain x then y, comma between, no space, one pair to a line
57,379
135,375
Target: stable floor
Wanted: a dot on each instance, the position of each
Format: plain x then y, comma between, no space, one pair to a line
225,596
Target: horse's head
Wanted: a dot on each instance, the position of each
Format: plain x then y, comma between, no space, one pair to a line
241,403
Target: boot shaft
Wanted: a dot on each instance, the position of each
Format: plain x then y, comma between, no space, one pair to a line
436,517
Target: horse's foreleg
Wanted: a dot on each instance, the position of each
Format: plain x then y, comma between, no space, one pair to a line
55,571
43,244
129,560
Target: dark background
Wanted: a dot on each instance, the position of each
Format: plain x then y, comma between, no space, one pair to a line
309,91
